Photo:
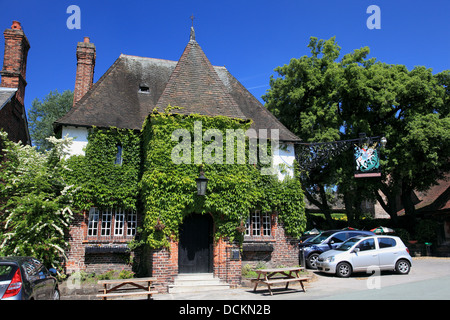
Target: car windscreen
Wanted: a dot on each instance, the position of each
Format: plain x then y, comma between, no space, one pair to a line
348,244
7,270
318,239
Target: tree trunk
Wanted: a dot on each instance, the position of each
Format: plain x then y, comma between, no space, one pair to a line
322,205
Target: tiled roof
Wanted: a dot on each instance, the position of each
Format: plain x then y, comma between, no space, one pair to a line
195,87
5,95
191,83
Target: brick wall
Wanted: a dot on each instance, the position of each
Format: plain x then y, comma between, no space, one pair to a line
225,266
15,60
76,236
276,250
285,251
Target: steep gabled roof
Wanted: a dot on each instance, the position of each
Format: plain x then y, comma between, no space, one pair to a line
195,87
191,83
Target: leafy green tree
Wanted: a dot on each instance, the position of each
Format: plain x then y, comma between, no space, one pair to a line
305,98
321,98
44,113
34,200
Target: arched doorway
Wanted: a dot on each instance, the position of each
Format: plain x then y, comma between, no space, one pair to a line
195,246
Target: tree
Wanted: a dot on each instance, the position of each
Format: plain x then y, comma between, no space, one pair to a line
305,98
321,98
44,113
35,200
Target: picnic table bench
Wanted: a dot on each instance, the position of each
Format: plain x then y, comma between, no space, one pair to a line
286,275
144,284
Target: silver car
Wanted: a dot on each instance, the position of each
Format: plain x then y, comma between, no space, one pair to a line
365,253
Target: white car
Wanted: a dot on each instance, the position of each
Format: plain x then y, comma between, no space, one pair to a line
365,253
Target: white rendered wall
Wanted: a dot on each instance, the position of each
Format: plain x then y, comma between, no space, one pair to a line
283,160
79,135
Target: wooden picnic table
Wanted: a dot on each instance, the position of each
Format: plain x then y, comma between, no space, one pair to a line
284,275
145,284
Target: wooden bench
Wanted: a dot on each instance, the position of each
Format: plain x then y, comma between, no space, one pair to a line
288,275
143,284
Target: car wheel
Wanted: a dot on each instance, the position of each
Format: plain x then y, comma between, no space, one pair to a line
56,295
402,267
311,262
343,270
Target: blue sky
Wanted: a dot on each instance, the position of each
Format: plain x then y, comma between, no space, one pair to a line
251,38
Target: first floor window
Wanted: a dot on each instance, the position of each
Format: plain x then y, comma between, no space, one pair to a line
131,224
259,224
106,222
119,224
93,222
111,223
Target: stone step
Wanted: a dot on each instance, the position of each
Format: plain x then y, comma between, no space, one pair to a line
195,282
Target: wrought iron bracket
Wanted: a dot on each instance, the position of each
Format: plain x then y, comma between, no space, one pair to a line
311,155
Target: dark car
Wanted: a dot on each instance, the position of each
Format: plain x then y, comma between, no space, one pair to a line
26,278
325,241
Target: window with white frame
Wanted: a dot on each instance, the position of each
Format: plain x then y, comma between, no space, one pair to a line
119,223
266,224
131,223
259,224
114,223
93,221
106,222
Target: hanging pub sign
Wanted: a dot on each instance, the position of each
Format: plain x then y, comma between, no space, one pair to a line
367,160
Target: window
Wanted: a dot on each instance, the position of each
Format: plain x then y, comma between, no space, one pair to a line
256,223
119,155
339,237
119,224
366,245
144,88
132,223
106,222
111,223
266,227
386,242
93,222
259,224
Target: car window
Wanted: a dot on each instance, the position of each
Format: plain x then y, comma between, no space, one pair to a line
348,244
7,271
318,239
365,245
386,242
339,237
29,268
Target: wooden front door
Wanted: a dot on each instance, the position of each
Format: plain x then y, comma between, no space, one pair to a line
195,246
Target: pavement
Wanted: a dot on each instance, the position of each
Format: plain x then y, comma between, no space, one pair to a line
429,279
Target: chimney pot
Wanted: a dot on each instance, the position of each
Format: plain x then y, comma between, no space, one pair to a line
86,39
16,25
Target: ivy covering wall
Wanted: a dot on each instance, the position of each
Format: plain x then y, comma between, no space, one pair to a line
169,190
102,182
149,182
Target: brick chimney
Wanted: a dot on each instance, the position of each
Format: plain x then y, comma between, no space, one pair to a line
15,60
85,69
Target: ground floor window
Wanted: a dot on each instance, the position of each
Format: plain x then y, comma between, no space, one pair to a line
259,224
113,223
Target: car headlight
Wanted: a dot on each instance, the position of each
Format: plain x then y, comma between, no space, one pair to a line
329,259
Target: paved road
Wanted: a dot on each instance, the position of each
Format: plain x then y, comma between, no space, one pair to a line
429,279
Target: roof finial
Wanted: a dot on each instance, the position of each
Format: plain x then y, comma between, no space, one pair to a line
192,36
